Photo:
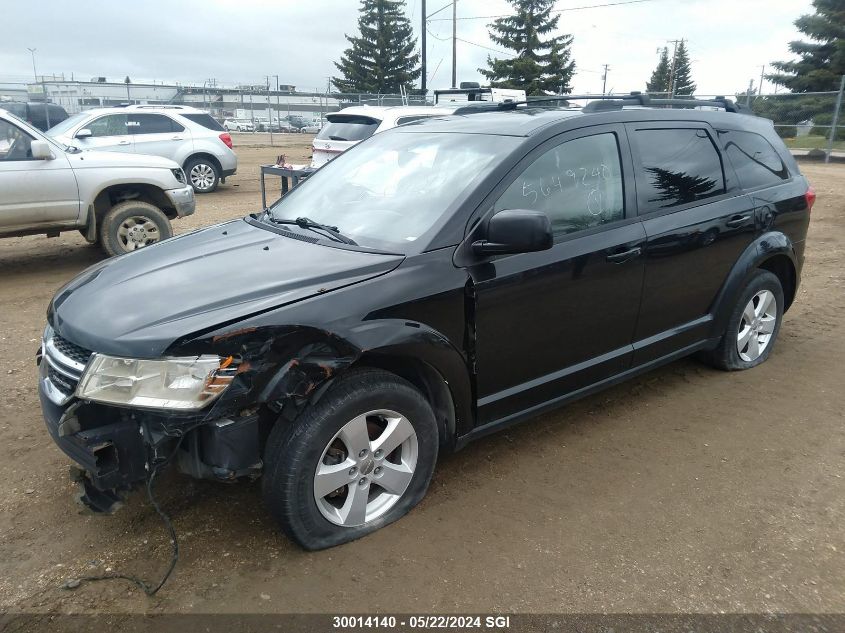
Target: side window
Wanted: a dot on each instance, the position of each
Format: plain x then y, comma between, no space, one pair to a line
153,124
14,143
756,162
578,184
679,166
109,125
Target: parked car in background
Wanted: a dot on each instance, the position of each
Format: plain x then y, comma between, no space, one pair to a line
297,121
350,126
313,128
123,201
239,125
340,342
191,137
38,114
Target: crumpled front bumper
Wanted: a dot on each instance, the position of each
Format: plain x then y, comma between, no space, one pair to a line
183,200
107,445
113,454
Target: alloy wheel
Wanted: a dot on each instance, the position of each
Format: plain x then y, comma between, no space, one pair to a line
202,176
366,468
757,325
137,232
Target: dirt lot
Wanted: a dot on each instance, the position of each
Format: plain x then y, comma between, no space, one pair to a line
685,490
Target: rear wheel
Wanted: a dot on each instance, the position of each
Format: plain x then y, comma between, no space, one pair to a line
753,325
131,225
356,461
202,174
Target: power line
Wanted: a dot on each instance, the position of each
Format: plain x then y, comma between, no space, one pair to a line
495,50
508,15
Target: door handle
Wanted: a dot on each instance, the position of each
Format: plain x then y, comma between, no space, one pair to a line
176,138
737,221
621,258
123,143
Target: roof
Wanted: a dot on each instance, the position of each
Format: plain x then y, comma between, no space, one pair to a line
172,109
528,121
384,112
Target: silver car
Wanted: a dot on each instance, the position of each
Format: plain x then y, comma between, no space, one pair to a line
186,135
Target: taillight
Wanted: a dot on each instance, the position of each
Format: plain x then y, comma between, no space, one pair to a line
810,197
227,140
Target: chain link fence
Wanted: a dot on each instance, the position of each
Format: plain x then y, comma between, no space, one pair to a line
805,121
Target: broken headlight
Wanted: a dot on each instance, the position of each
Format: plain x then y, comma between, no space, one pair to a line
172,383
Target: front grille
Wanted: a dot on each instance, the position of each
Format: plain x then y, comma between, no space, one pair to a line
63,383
71,350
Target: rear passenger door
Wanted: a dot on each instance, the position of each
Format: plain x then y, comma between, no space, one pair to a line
158,135
697,222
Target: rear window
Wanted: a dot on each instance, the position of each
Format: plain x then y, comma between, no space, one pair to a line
756,162
679,166
205,120
348,128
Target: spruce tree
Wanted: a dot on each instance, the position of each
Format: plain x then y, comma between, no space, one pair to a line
683,82
821,61
659,82
381,58
541,66
819,68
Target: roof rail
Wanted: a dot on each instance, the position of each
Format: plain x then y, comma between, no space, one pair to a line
636,98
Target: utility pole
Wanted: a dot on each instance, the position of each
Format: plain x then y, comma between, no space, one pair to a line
422,37
604,79
454,43
269,110
278,105
760,85
43,87
748,94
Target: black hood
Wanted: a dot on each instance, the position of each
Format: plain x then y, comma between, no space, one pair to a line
138,304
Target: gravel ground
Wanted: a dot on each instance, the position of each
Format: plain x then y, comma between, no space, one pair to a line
685,490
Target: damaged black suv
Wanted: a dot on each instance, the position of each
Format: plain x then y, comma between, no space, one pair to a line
439,281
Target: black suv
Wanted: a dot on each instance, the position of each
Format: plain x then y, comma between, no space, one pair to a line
438,282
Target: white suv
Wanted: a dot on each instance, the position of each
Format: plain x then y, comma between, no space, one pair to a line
350,126
189,136
124,202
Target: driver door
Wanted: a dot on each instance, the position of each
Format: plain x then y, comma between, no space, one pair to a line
551,323
109,132
34,192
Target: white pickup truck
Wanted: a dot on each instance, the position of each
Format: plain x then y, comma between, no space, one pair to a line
122,201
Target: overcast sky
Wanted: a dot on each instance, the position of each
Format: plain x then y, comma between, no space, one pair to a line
241,41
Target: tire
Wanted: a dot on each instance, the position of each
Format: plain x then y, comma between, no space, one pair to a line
295,451
735,353
131,225
203,174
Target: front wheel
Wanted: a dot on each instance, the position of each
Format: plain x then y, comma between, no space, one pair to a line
131,225
753,325
202,174
354,462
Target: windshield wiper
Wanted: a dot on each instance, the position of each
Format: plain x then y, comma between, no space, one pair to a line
306,223
337,138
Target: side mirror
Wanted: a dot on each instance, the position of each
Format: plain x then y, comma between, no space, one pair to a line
41,150
84,133
516,231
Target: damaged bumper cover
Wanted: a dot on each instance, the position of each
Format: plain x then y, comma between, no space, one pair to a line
115,448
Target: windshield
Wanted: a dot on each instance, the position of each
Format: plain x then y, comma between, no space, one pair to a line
391,189
67,124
